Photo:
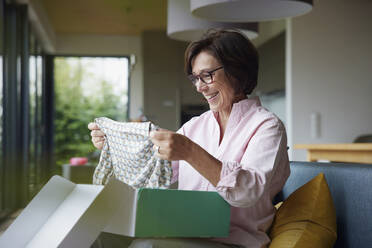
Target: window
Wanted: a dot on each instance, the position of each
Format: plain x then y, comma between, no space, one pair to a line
35,120
14,107
22,71
86,88
1,103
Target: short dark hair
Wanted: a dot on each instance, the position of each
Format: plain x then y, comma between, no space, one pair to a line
234,51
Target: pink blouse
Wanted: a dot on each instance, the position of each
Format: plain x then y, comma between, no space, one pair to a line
255,167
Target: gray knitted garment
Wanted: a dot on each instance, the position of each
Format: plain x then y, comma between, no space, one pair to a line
128,155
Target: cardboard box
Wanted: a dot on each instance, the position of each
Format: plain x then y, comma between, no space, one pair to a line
64,214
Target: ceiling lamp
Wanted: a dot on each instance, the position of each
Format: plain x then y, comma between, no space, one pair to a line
249,10
183,26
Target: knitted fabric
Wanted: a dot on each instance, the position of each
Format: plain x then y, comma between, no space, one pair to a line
128,155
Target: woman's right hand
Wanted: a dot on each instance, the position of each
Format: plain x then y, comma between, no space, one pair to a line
98,137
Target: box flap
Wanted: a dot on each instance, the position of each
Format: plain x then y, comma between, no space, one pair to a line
123,221
64,215
37,213
98,215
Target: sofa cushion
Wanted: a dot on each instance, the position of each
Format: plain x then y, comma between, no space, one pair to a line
350,185
307,218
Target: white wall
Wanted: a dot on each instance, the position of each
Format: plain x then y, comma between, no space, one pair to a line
115,46
163,77
329,71
271,76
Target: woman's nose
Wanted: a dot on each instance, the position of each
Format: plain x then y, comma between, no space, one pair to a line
200,86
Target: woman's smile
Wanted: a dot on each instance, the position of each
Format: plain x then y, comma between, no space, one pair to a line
210,97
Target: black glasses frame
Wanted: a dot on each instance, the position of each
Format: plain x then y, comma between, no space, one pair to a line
195,78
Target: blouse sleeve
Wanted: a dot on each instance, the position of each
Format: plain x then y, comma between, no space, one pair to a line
242,184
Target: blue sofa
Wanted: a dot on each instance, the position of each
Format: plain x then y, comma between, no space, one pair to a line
351,188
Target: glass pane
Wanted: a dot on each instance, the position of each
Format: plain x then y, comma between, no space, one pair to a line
86,88
35,77
33,120
1,103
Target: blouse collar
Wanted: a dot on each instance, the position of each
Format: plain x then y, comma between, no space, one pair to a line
242,107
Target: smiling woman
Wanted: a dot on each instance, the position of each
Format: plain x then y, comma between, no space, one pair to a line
237,148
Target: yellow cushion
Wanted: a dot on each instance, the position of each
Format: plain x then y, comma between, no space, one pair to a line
307,218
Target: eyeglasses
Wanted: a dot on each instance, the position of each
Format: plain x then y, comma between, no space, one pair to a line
206,76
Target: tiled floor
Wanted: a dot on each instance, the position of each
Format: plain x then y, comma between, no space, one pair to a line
5,224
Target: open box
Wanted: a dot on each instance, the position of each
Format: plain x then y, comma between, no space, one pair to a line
64,214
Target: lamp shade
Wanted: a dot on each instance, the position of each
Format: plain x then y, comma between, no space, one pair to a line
248,10
181,25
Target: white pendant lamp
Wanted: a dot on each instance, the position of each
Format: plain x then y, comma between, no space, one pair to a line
248,10
181,25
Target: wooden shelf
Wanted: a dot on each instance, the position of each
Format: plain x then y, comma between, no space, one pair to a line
348,152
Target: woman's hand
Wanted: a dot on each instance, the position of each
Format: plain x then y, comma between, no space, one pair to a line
170,145
98,137
174,146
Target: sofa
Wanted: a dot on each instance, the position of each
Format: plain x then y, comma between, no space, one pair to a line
350,186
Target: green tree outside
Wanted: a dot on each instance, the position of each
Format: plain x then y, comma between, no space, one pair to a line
75,108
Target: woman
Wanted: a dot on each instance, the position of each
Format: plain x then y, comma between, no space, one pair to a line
237,148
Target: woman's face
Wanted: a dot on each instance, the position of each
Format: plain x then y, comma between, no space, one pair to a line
219,94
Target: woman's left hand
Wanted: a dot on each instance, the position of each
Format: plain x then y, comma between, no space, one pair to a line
170,145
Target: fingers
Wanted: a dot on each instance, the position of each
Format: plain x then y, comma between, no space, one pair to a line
161,153
93,126
97,139
160,139
161,134
99,145
97,133
160,148
156,149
